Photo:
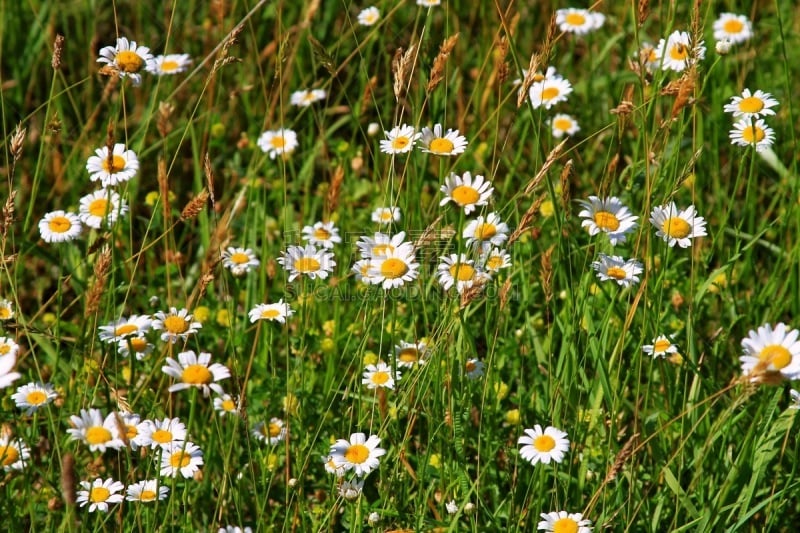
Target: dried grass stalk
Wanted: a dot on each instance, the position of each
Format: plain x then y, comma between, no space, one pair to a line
551,158
101,268
332,199
195,205
439,63
402,66
58,49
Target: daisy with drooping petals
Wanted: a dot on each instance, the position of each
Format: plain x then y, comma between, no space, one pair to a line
351,490
751,105
434,141
608,215
226,405
6,310
125,327
615,268
561,521
359,454
161,433
677,227
192,370
758,134
578,21
732,28
101,208
14,453
128,58
307,261
278,142
395,268
772,353
485,232
146,491
400,140
175,324
386,215
33,396
494,260
277,312
239,261
677,51
324,234
410,354
305,98
379,376
273,432
8,347
474,368
120,166
662,345
7,377
466,192
563,124
543,446
138,345
95,431
60,226
369,16
167,65
99,493
549,91
459,271
184,458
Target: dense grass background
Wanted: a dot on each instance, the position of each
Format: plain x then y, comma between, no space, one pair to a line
691,446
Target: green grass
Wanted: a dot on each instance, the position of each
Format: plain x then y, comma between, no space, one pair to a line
679,444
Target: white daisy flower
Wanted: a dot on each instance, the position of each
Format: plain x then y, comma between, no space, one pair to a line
128,58
410,354
386,215
95,431
99,493
60,226
184,458
429,3
615,268
101,208
751,105
677,51
772,352
324,234
14,453
192,370
175,324
226,405
746,133
139,345
485,232
369,16
133,326
578,21
381,244
648,57
451,507
146,491
459,271
362,269
466,192
239,261
6,310
608,215
33,396
333,468
167,65
563,124
662,345
120,166
559,521
379,376
474,368
549,91
433,141
161,433
305,97
400,139
677,227
278,142
7,377
733,28
277,312
360,454
543,446
494,260
273,432
133,426
395,268
351,490
8,347
307,261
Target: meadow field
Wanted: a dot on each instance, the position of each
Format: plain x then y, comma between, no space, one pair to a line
415,265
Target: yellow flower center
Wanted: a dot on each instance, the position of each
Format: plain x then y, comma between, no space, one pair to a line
274,429
733,26
545,443
36,397
270,314
228,405
462,272
117,164
753,134
676,227
549,93
131,432
126,329
408,355
485,231
4,349
380,378
98,207
775,355
751,104
307,264
394,268
240,258
679,52
129,61
278,142
59,224
495,262
563,124
357,453
575,19
400,142
321,234
138,344
606,221
465,195
196,375
616,273
176,324
179,459
169,66
147,496
97,435
99,494
386,216
441,145
162,436
8,455
661,345
565,525
5,312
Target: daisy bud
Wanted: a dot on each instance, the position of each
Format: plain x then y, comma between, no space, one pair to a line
723,47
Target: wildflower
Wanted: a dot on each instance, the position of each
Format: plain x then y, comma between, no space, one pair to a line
194,371
7,377
239,261
380,244
128,58
459,271
359,454
723,47
33,396
578,21
772,352
226,404
161,433
795,395
121,329
751,105
677,51
99,493
60,226
433,141
6,310
662,345
373,518
386,215
305,98
429,3
133,426
120,166
277,312
733,28
181,457
379,376
14,453
563,124
175,324
101,208
273,432
451,507
138,345
8,347
466,192
308,261
549,91
394,269
474,368
333,468
543,446
484,232
400,139
362,269
235,529
746,133
351,490
369,16
146,491
409,354
609,216
92,429
323,234
373,128
677,227
614,267
512,417
648,57
493,260
563,521
166,65
278,142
